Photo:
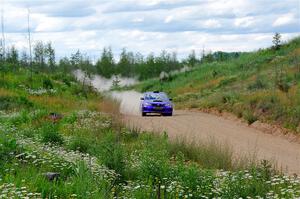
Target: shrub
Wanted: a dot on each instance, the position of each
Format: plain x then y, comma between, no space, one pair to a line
13,102
67,82
281,80
50,134
8,148
147,87
153,163
47,83
79,143
250,117
227,81
112,153
269,103
258,84
194,105
229,98
20,118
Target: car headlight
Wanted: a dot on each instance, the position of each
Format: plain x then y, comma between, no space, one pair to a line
169,105
146,104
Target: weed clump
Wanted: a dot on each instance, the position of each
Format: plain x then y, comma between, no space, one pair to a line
250,117
47,84
258,84
112,153
50,134
12,102
79,143
8,147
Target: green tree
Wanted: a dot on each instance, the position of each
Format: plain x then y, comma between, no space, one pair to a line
276,41
124,63
50,54
192,59
65,65
208,57
24,59
105,65
13,56
86,65
76,59
39,54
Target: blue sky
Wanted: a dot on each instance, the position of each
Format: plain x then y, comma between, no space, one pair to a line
151,25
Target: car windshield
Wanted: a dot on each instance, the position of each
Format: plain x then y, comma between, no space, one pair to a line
156,96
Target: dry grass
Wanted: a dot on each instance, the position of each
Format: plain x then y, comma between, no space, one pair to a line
55,103
5,92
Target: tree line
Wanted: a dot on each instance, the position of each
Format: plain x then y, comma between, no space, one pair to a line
129,64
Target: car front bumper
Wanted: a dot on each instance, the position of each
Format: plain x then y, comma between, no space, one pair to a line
152,109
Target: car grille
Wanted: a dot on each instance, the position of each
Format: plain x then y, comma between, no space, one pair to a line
157,105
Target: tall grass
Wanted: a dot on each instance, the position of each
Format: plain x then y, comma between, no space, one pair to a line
212,154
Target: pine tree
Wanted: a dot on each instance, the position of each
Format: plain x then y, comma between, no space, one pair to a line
50,53
192,59
106,65
39,54
276,41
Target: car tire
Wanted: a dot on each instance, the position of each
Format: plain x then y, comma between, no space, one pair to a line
167,114
143,114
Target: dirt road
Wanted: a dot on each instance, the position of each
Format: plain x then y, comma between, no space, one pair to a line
243,139
196,126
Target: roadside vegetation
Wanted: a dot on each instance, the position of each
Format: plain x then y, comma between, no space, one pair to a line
262,85
61,139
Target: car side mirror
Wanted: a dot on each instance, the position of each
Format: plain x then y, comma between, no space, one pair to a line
170,99
142,98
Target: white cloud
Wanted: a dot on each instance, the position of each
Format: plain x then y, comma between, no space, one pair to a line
168,19
150,26
49,24
244,22
138,20
212,23
284,20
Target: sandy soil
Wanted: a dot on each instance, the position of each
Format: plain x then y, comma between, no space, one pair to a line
195,126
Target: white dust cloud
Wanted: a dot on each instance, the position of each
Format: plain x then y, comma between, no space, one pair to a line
129,100
102,83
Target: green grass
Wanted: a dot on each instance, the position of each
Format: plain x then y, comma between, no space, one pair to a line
146,164
264,84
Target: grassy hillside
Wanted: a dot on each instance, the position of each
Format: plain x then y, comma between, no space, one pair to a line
262,85
52,123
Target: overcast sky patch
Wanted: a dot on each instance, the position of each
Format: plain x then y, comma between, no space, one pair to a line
151,25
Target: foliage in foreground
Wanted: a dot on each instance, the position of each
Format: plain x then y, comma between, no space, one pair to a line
120,164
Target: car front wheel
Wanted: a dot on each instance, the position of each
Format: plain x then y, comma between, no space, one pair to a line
167,114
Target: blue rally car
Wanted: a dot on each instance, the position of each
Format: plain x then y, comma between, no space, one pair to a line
156,102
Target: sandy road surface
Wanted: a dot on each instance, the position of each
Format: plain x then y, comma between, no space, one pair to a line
243,139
